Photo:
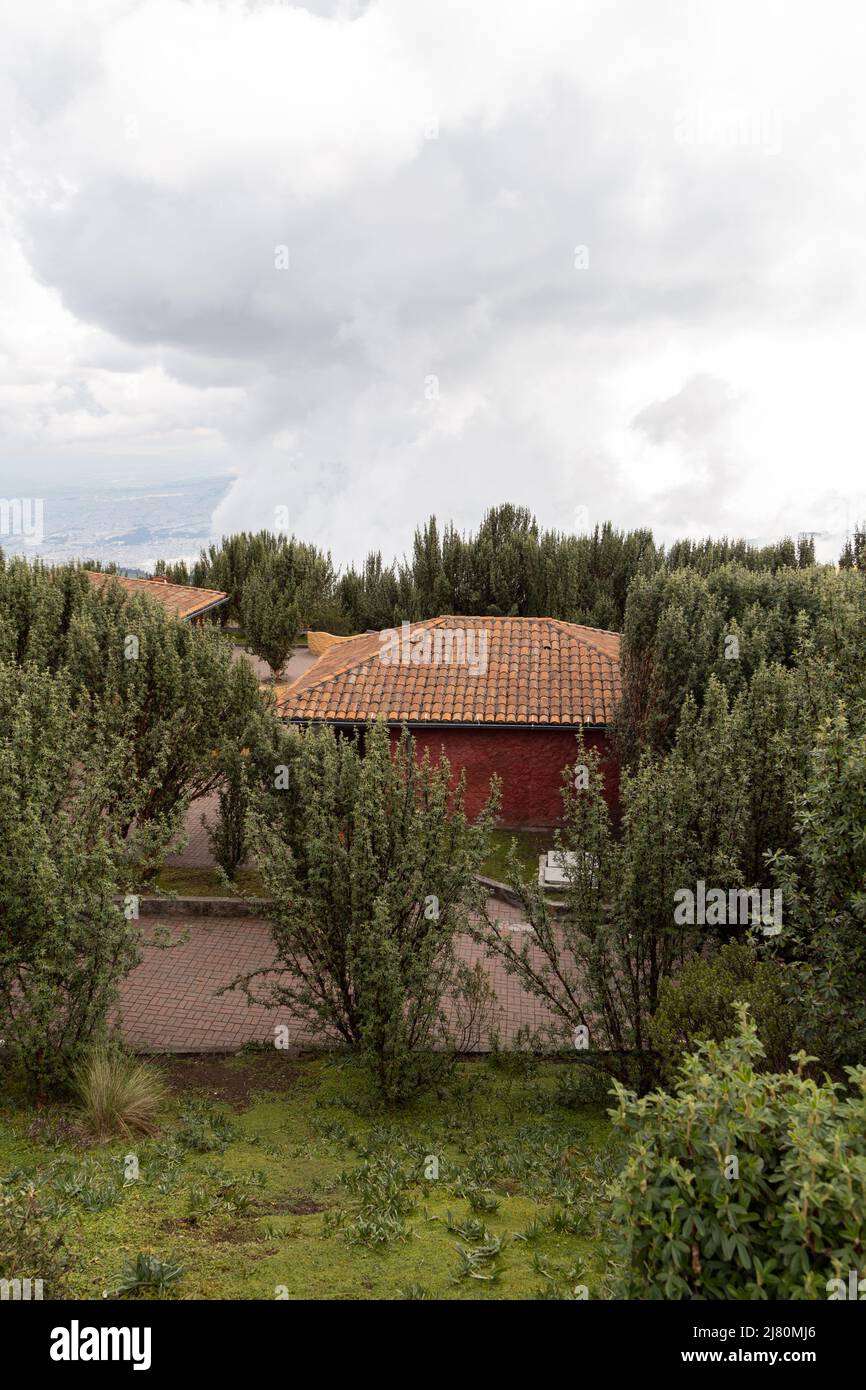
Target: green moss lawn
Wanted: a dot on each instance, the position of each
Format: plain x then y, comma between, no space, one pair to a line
273,1177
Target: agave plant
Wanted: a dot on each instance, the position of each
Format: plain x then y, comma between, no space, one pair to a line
147,1272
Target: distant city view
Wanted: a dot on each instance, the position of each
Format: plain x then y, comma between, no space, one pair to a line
129,524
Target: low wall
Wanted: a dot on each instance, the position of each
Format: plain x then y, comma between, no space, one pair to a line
155,905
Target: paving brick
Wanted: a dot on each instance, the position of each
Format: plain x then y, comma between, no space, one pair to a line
170,1001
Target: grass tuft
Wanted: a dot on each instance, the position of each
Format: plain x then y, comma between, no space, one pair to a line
118,1095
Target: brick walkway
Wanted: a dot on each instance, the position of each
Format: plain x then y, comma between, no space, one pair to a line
169,1002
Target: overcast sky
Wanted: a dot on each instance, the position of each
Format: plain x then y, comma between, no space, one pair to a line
377,260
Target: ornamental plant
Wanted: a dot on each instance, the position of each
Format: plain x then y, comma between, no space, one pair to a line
369,860
170,691
598,964
823,880
68,935
701,1004
741,1183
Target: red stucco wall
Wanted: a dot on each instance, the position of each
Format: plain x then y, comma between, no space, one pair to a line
529,762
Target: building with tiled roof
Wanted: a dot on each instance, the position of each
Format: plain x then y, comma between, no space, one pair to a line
504,695
181,600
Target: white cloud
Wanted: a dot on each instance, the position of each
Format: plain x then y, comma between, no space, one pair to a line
431,168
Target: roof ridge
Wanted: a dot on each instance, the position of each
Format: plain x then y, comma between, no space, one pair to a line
602,631
562,624
518,618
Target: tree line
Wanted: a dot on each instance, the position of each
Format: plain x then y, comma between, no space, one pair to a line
510,566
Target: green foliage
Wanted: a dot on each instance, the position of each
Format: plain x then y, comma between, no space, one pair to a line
479,1261
726,804
271,610
598,965
227,837
823,882
203,1129
370,863
509,565
247,765
31,1247
712,553
66,798
380,1186
853,555
170,691
681,627
700,1005
238,1237
229,565
787,1219
147,1274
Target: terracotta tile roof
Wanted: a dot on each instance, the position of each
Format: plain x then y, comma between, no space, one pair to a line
533,671
180,599
319,642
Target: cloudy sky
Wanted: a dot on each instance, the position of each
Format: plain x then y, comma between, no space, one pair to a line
377,260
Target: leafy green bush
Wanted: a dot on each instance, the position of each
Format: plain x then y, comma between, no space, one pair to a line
227,837
699,1005
270,613
579,1086
169,689
742,1184
370,864
598,965
65,940
30,1246
679,625
823,881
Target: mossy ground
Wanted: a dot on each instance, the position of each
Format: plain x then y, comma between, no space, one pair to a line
188,882
245,1186
530,844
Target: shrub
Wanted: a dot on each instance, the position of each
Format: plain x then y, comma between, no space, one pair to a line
599,964
169,689
742,1184
370,865
227,837
677,629
248,762
65,942
823,881
118,1095
270,615
699,1005
30,1247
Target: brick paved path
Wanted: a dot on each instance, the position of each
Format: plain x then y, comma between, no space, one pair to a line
168,1002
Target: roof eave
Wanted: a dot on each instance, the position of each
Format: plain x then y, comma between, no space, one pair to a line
206,608
447,724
